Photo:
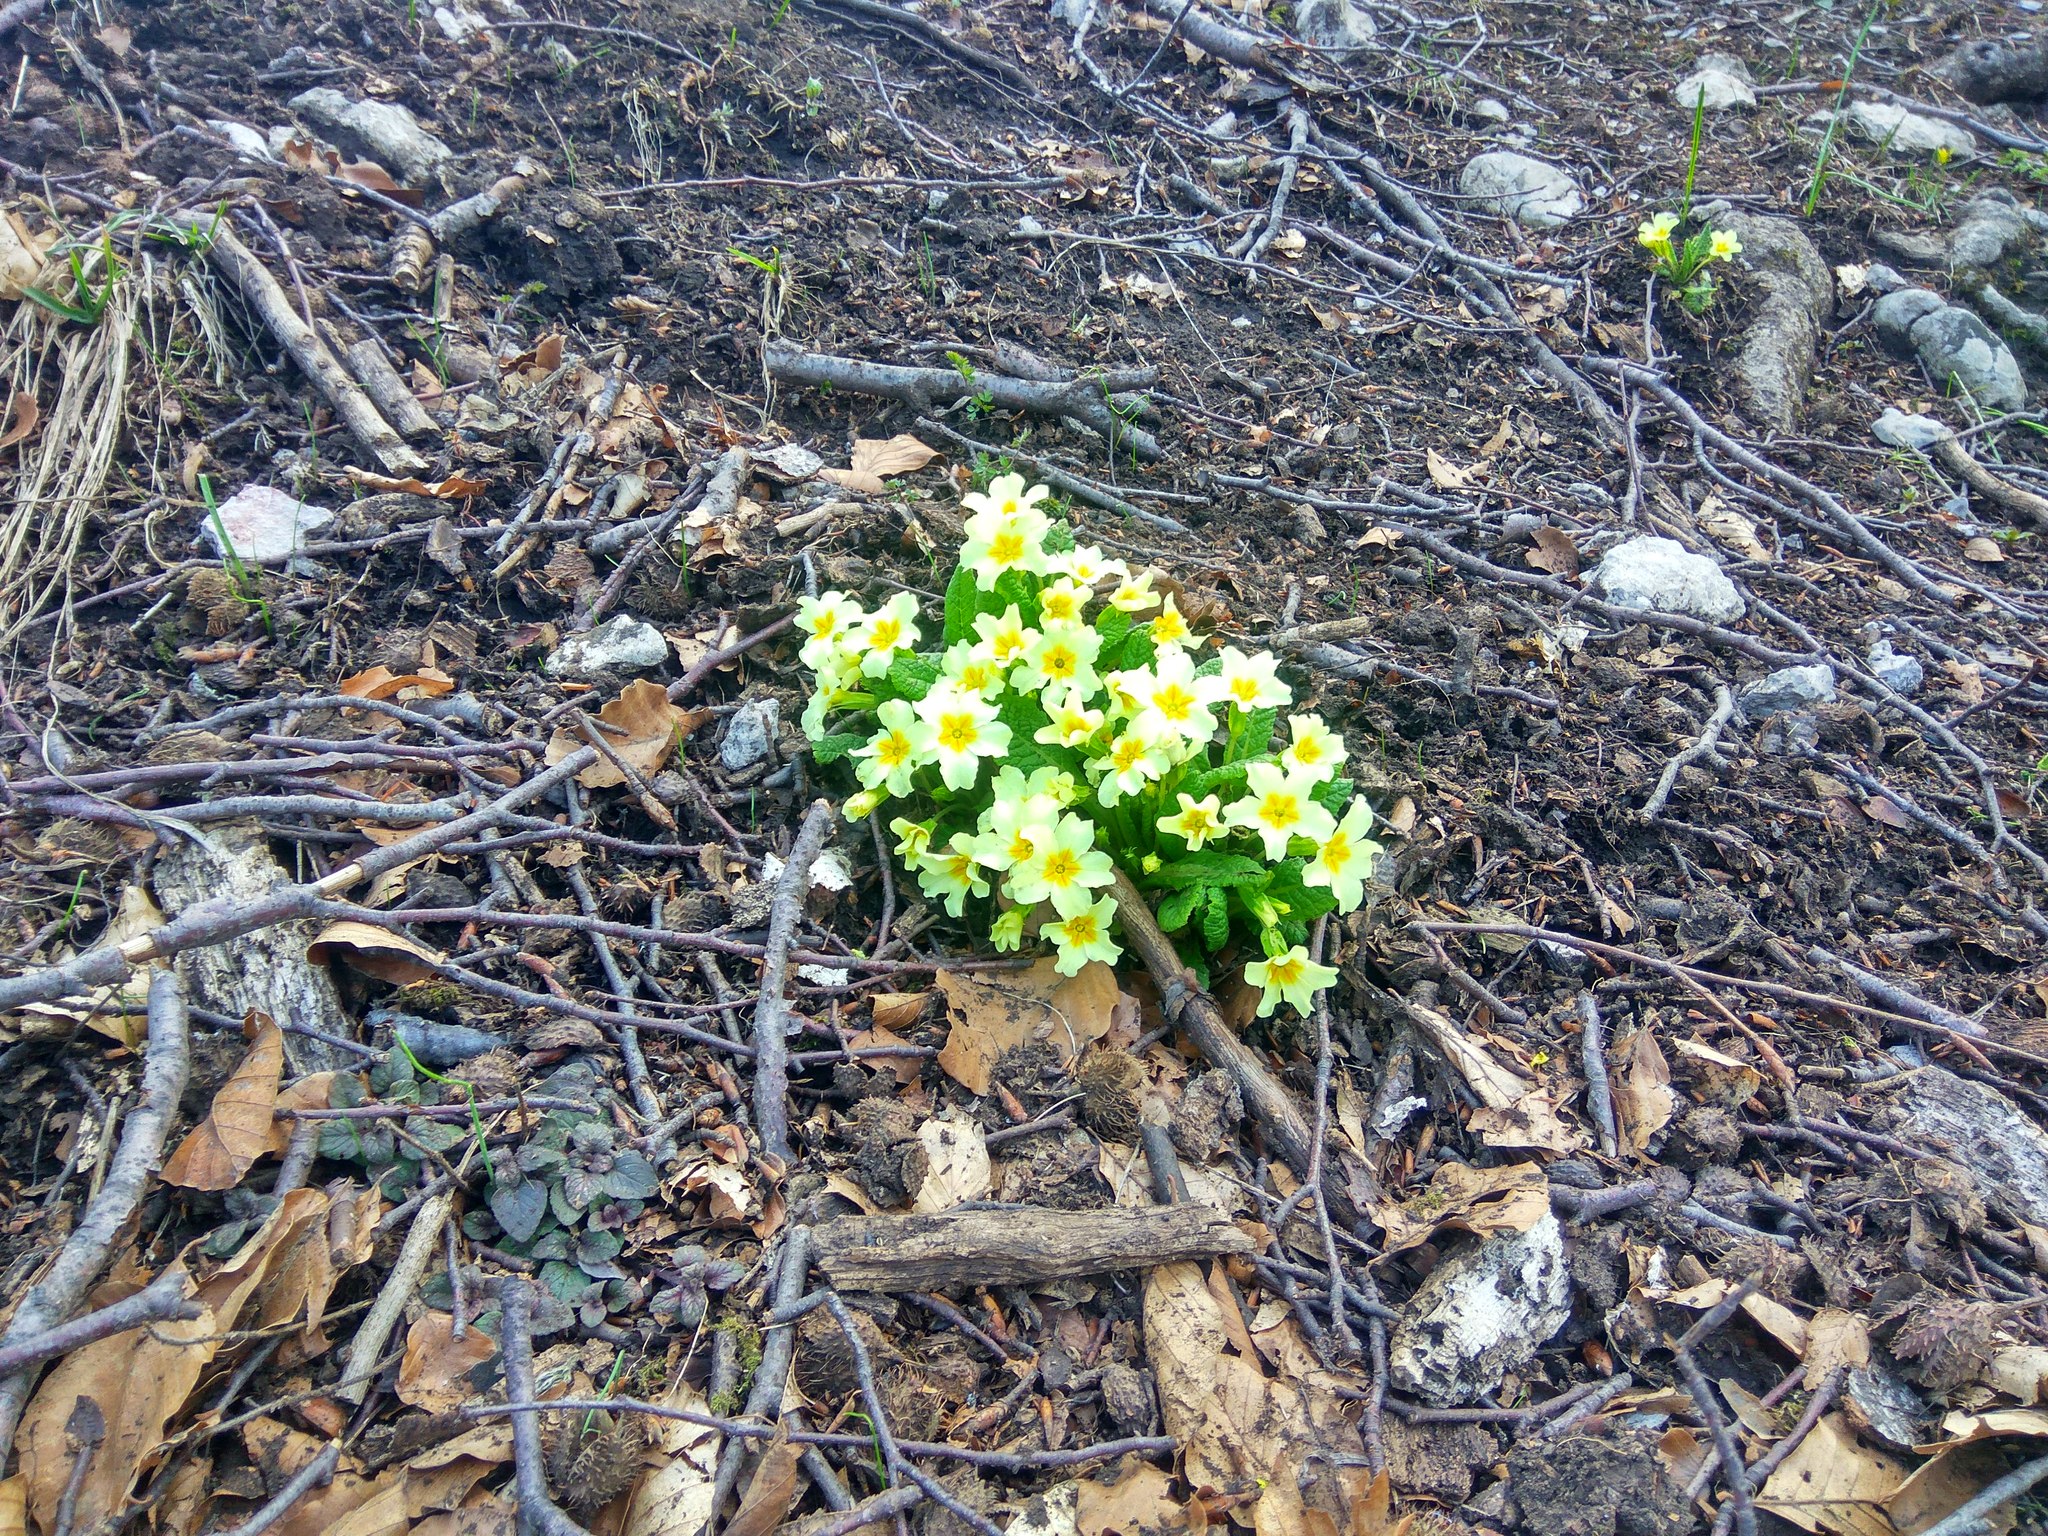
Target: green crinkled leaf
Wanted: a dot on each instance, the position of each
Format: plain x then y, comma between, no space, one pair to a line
1196,785
1113,624
1334,796
1138,650
1215,918
519,1207
338,1140
835,746
565,1281
1255,737
632,1177
1019,587
962,604
1059,538
1218,869
1303,903
1178,907
345,1092
436,1135
911,675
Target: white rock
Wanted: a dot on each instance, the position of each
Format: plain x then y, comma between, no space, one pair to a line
1723,81
1652,573
748,734
1788,689
1906,133
1337,24
559,54
242,136
460,24
621,644
789,462
1901,674
1533,193
1488,109
1895,429
386,132
1482,1313
265,526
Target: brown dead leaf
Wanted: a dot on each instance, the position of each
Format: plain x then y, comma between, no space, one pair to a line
435,1372
906,1068
956,1165
1487,1202
1139,1503
25,414
649,728
875,457
1984,551
1967,678
1531,1123
1445,475
454,488
1835,1339
237,1131
1503,438
674,1497
1554,551
1883,811
1834,1483
896,1010
1643,1100
142,1380
1731,529
379,952
1957,1474
382,683
771,1490
21,255
991,1014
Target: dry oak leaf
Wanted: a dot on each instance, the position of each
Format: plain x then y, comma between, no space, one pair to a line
237,1130
383,683
956,1165
1834,1483
454,488
648,729
988,1016
674,1497
876,457
379,952
26,414
435,1372
1487,1202
1139,1503
1554,551
1644,1100
1445,475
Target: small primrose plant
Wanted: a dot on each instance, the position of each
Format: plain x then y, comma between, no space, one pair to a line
1685,265
1065,726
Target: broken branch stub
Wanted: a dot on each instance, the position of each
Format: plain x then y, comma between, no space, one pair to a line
1015,1247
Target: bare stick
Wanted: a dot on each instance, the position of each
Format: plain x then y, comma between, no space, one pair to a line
1958,462
215,922
884,1506
422,1242
1251,245
1967,1520
1059,479
1599,1094
1586,1407
1734,1473
538,1513
85,1252
764,1396
1272,1107
1764,1466
1724,710
162,1300
1896,997
771,1015
393,397
314,1474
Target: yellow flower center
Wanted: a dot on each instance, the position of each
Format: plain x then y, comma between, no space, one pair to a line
1308,750
958,732
885,634
1059,607
960,866
1196,820
1284,972
1126,753
1019,849
1280,809
975,676
1007,643
1174,702
1007,547
1082,929
1061,868
1168,626
894,751
1336,852
1244,690
1061,662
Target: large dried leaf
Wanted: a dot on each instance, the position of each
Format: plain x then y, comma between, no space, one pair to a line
648,729
1643,1100
874,458
1488,1202
380,952
435,1372
1955,1476
956,1165
142,1380
674,1497
1834,1483
237,1130
990,1014
1139,1503
770,1491
1835,1338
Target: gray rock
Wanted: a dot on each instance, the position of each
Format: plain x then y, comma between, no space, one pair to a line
748,734
1788,689
1895,315
1990,226
1720,80
434,1043
1534,194
1906,133
381,130
620,644
265,526
1901,674
1482,1312
1895,429
1652,573
560,55
1776,361
789,463
1880,278
242,136
1959,349
1335,24
1488,110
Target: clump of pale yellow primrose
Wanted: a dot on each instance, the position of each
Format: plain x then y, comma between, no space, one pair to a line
1064,720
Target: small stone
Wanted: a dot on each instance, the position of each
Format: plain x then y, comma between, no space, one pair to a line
789,463
1879,278
1991,226
1901,674
620,644
1489,110
1481,1313
1895,429
242,136
1533,193
1662,575
559,54
748,735
1906,133
1719,80
1223,126
1788,689
1334,24
1895,315
265,526
1962,351
382,130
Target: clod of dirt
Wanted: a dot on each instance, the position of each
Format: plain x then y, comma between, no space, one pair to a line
1437,1460
884,1131
1586,1487
1481,1313
1128,1395
561,241
1109,1101
1207,1115
1985,71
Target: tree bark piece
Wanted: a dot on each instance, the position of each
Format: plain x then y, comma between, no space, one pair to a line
267,298
1348,1185
1015,1247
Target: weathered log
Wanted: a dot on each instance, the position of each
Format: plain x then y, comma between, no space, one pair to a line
1014,1247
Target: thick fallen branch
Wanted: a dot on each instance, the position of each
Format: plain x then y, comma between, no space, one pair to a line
1953,457
539,1515
422,1243
771,1014
268,299
1015,1247
162,1300
1273,1109
925,388
85,1252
